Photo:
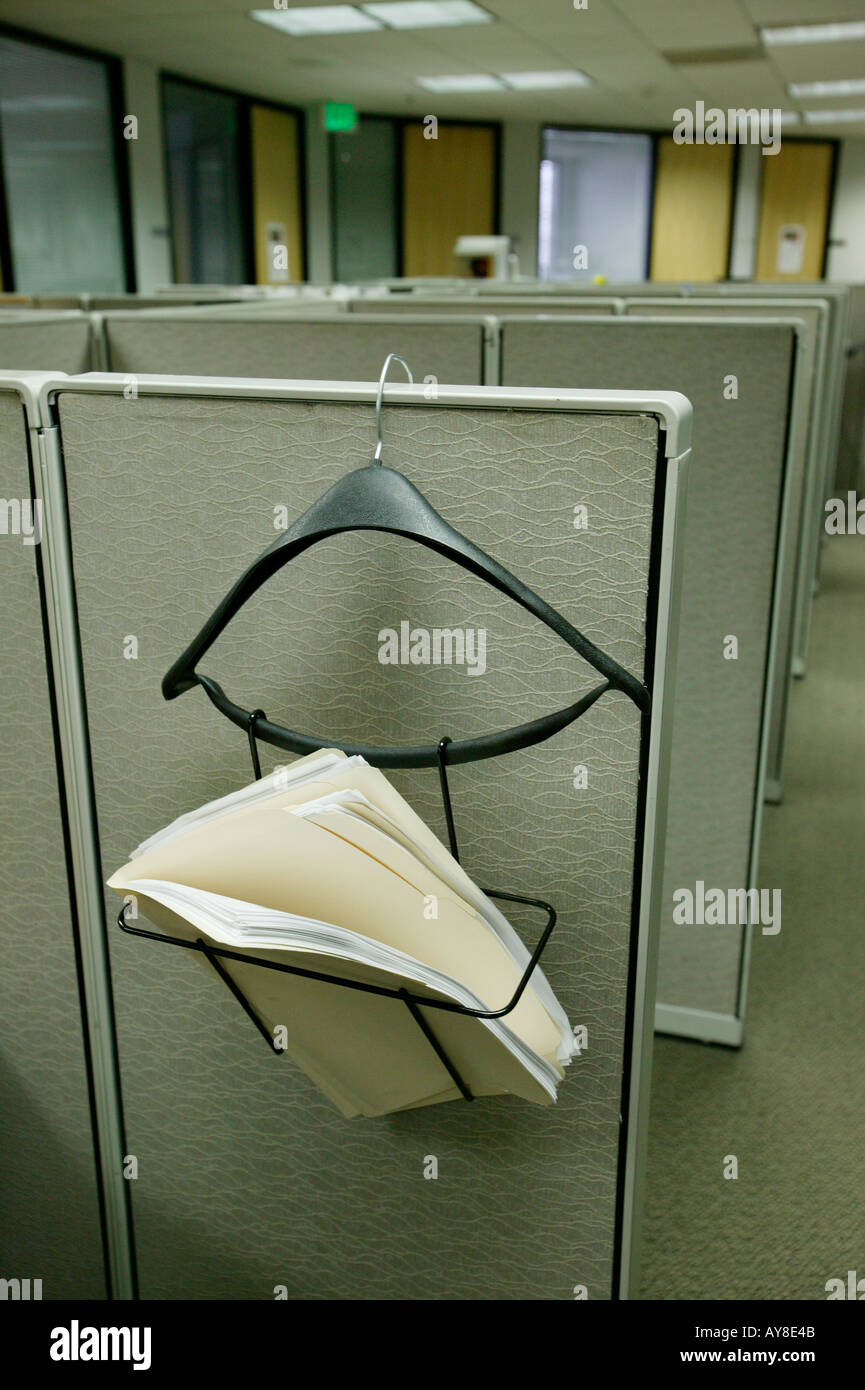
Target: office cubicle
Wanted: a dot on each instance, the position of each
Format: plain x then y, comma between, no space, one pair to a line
50,1228
491,304
278,344
739,498
808,442
248,1178
838,299
850,464
34,340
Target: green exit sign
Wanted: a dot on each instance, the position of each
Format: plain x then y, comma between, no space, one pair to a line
339,115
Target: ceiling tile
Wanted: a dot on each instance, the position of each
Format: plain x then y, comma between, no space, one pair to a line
818,62
689,25
738,84
619,43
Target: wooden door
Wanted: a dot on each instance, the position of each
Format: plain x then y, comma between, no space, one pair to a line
794,211
691,212
276,195
449,189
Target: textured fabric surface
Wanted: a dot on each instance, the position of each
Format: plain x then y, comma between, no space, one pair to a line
419,304
57,345
49,1221
249,1177
805,460
849,470
789,1105
729,550
310,349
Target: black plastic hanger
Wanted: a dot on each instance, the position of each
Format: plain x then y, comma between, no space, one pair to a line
377,498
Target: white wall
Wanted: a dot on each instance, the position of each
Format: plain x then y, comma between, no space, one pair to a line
520,155
319,257
847,229
746,212
151,238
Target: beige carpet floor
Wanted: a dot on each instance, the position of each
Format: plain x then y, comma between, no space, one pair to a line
791,1103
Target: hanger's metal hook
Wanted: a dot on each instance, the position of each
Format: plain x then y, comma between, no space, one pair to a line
391,357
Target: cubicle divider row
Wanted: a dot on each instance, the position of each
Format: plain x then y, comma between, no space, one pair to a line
758,370
765,370
220,1170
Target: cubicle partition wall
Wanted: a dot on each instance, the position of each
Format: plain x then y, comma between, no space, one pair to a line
50,1231
739,497
838,299
65,301
31,340
348,348
491,304
808,442
248,1180
850,464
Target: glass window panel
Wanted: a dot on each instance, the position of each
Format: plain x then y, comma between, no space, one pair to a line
595,192
365,201
207,218
65,227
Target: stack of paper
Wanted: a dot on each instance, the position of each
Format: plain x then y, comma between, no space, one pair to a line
323,865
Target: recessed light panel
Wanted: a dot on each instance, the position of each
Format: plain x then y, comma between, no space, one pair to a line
846,87
462,82
832,117
427,14
815,33
545,81
319,19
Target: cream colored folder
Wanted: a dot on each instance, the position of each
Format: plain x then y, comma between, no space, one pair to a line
366,1052
328,772
355,865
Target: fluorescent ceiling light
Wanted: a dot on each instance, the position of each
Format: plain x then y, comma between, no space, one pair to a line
790,118
831,117
545,81
462,82
845,87
428,14
320,19
815,33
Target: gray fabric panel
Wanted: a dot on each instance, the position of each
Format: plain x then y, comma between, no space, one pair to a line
796,577
423,304
729,555
57,345
573,289
849,472
49,1219
308,349
157,301
60,301
249,1177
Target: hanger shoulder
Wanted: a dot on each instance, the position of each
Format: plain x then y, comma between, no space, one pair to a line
378,498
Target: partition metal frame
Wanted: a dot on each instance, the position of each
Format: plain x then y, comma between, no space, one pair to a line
39,392
72,734
99,1091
